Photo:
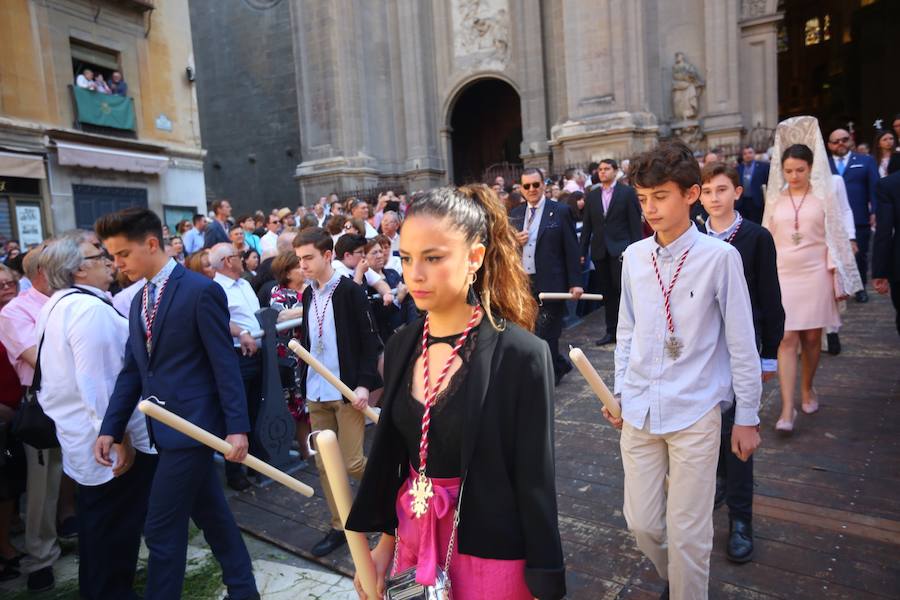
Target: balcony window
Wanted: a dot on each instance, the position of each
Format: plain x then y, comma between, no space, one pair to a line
103,110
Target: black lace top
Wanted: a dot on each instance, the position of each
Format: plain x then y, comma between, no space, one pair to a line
445,434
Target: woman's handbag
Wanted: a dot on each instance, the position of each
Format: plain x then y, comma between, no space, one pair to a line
403,585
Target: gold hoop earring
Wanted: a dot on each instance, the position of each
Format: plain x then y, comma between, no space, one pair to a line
472,298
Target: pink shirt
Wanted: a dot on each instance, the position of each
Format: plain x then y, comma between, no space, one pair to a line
606,194
17,329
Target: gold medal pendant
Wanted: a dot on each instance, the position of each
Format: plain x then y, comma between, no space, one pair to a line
796,237
421,491
674,347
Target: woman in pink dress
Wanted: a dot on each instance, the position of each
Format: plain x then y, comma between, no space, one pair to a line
806,274
466,426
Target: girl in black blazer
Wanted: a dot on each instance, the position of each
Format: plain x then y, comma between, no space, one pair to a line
485,405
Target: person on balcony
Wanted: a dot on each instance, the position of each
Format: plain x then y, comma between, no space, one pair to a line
117,84
86,80
101,84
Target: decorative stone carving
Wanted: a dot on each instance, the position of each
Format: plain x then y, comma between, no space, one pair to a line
481,34
754,8
686,87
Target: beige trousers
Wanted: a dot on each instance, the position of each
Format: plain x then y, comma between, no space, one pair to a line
674,530
350,426
42,489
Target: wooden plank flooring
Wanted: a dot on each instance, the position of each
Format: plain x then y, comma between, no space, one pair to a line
827,499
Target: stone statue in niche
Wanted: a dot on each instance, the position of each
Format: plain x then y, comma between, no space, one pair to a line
686,87
481,30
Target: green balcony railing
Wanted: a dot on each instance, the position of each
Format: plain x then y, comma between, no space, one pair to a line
103,110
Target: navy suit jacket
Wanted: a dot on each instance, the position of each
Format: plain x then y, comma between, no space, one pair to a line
751,202
557,259
193,368
215,234
860,177
886,251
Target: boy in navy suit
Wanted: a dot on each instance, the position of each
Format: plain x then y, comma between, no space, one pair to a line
180,352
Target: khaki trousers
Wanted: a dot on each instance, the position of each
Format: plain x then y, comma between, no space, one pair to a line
674,530
42,489
350,426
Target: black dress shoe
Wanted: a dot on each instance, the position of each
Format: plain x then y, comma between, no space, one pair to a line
720,492
606,339
665,593
333,540
565,370
740,541
41,580
238,482
862,297
834,343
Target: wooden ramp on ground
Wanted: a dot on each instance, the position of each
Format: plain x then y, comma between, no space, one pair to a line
827,504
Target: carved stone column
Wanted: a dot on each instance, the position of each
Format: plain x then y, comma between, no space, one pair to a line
759,63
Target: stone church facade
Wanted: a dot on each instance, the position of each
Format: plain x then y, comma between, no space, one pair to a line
378,82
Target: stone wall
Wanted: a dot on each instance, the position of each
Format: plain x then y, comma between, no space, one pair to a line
247,94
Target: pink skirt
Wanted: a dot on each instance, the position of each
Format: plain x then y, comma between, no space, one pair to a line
423,543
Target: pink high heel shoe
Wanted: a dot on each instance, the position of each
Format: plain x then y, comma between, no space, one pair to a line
784,426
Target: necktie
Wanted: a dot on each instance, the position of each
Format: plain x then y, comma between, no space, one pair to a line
842,164
151,296
533,210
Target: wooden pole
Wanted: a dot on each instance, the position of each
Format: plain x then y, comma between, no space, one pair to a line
596,383
322,370
327,445
568,296
162,415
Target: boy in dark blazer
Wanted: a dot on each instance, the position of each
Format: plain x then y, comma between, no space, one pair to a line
886,251
720,190
546,231
612,221
339,330
179,352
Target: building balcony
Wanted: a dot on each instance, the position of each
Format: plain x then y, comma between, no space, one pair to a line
103,113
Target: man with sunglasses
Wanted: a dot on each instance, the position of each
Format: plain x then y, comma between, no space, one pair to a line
269,241
550,254
860,175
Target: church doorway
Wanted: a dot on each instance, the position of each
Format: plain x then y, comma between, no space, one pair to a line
835,63
486,124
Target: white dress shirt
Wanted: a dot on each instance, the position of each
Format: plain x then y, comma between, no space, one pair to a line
530,247
318,389
242,303
268,243
713,318
82,355
344,271
122,300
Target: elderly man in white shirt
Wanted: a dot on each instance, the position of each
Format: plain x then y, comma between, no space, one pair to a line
80,354
242,306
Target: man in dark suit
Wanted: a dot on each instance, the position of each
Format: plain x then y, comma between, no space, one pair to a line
886,250
179,352
860,176
551,259
754,175
612,221
217,231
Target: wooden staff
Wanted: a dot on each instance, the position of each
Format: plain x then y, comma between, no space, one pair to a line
327,445
345,391
596,383
568,296
162,415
